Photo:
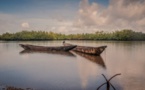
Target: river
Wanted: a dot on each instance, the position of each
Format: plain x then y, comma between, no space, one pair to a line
73,71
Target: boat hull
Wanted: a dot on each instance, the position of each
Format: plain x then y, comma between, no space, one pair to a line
44,48
88,50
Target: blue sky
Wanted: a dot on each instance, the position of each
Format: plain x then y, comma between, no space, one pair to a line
73,16
24,6
33,7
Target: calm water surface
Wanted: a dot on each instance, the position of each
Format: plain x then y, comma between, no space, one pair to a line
73,71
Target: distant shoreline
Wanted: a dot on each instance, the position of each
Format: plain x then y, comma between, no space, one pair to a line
122,35
71,40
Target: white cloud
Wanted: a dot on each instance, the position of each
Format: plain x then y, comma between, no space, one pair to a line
25,25
8,23
120,14
90,17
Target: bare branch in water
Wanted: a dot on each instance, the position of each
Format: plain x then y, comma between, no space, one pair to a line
108,82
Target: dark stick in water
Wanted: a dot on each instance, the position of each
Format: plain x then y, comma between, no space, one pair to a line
108,82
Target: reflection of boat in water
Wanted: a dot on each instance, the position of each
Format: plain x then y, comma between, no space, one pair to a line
48,52
46,48
93,58
87,49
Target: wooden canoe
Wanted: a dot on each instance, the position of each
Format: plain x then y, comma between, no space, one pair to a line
45,48
88,50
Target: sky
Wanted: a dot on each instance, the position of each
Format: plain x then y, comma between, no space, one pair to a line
72,16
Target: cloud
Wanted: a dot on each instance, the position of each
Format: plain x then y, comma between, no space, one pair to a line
128,9
8,23
25,25
120,14
87,18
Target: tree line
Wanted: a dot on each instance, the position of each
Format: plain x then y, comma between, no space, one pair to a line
125,35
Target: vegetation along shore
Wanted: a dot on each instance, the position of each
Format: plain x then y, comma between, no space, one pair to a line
122,35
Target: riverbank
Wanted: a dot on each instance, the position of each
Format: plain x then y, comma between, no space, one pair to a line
122,35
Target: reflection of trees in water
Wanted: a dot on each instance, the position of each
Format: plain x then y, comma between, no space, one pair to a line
6,87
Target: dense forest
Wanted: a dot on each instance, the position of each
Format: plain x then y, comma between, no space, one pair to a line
125,35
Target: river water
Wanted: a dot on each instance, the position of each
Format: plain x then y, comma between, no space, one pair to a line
73,71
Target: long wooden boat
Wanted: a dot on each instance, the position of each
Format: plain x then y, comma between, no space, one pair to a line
88,50
45,48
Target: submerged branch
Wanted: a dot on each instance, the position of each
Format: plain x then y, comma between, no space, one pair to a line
108,82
